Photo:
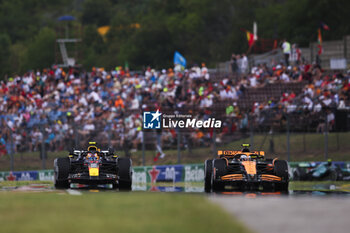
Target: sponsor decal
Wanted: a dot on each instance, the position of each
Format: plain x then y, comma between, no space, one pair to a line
193,189
154,173
139,176
46,175
170,173
169,189
11,177
26,176
154,188
139,187
194,173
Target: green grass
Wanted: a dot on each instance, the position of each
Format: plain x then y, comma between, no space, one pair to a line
112,212
343,186
308,147
22,183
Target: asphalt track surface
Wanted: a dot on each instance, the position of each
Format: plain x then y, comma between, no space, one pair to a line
289,214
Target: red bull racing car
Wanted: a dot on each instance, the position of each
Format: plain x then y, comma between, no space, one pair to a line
93,167
245,170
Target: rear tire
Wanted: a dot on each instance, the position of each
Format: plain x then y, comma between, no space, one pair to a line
124,173
219,170
282,187
62,168
114,185
208,170
281,170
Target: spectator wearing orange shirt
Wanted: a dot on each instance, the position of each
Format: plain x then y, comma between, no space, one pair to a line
119,102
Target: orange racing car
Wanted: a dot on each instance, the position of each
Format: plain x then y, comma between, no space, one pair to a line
245,170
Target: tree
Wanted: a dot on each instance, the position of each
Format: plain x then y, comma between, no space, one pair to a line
40,53
97,12
5,44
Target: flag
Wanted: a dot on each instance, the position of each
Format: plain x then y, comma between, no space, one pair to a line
275,44
179,59
319,42
324,26
103,30
135,25
126,66
319,37
255,31
250,38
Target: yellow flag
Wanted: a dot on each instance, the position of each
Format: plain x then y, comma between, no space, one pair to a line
103,30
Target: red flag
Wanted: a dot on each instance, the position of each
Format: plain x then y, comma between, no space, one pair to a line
250,38
275,44
319,41
324,26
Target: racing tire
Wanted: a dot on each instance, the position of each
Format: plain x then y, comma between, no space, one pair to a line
124,173
219,170
281,170
333,175
340,175
283,187
208,170
299,174
114,185
62,168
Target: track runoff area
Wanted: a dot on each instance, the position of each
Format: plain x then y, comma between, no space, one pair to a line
173,207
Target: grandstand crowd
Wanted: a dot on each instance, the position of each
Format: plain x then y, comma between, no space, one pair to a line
58,106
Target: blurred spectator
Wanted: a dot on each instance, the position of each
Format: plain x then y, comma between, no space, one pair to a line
76,104
244,64
286,51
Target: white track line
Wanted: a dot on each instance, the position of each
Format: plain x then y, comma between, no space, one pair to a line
73,192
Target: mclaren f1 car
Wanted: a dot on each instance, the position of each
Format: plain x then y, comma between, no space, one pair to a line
93,167
245,170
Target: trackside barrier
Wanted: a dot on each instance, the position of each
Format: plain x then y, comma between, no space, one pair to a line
144,174
44,175
152,174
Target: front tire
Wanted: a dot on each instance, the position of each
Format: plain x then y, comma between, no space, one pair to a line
219,170
124,173
62,168
208,170
299,174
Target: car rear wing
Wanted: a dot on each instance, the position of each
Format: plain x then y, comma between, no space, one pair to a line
235,152
80,152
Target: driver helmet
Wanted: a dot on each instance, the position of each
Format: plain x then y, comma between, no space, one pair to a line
92,156
244,158
329,162
245,147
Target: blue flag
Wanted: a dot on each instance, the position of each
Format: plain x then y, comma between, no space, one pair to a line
179,59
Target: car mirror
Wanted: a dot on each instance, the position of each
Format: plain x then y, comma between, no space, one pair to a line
111,150
71,151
